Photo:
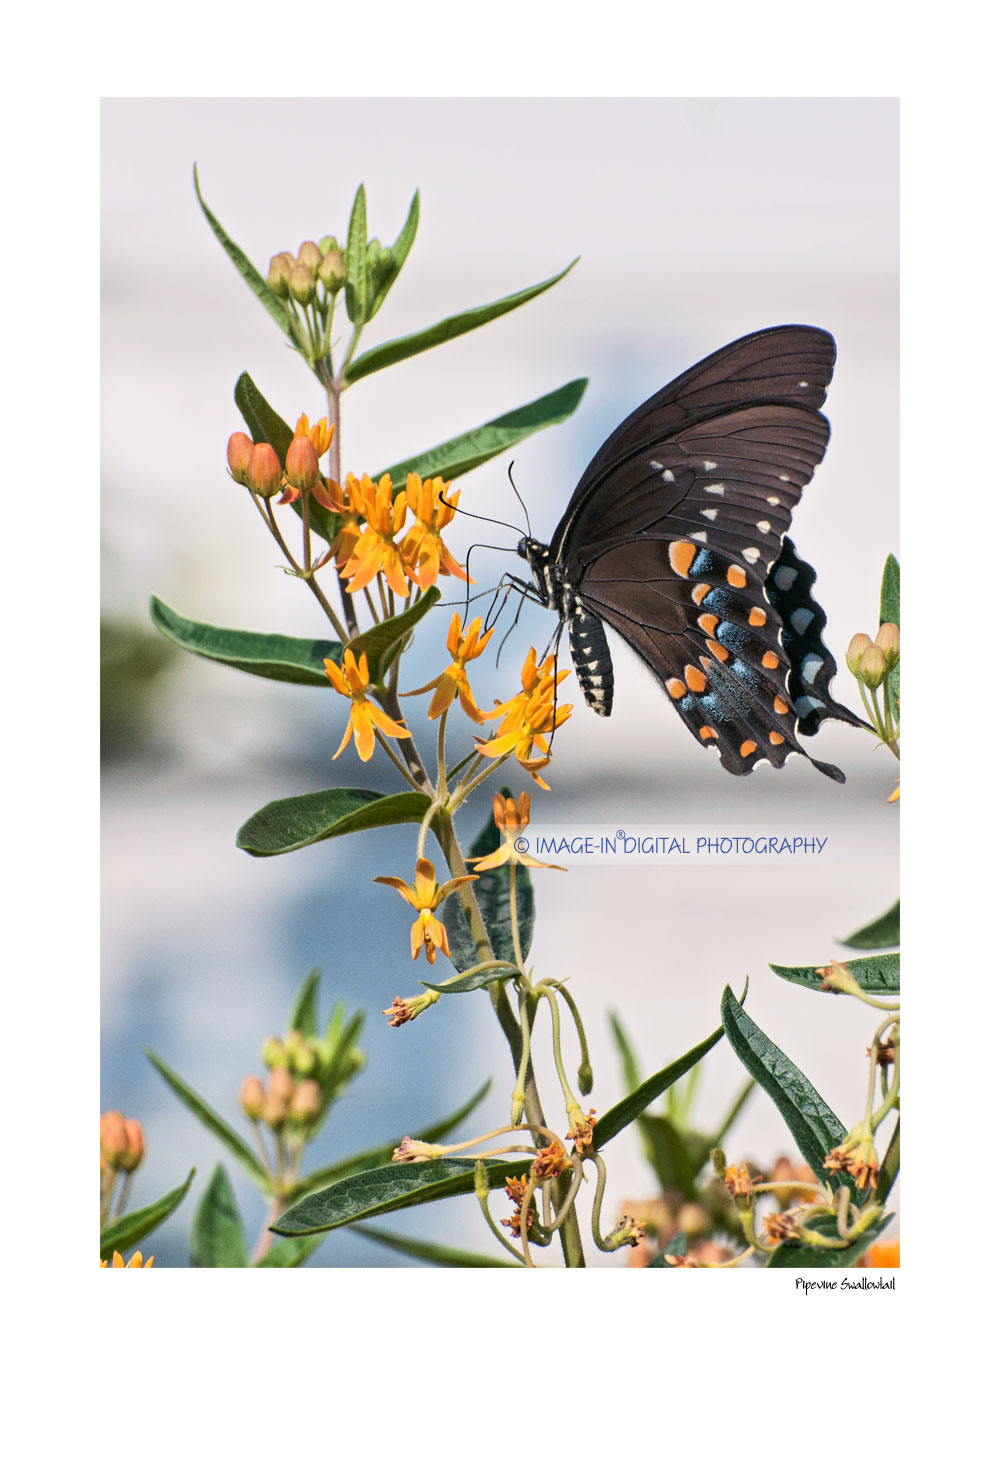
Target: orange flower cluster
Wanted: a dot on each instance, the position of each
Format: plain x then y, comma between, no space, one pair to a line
529,718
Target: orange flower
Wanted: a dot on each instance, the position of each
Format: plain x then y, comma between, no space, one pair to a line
376,550
454,680
881,1256
424,553
352,680
425,895
529,718
348,505
320,435
511,819
117,1262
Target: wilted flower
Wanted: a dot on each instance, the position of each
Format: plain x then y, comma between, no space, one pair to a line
550,1162
352,680
425,895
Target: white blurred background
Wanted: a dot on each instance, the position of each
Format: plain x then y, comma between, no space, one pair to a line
696,221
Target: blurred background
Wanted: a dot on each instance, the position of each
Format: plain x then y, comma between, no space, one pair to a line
696,221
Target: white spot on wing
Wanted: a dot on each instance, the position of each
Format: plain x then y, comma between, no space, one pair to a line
784,477
751,554
710,513
763,526
656,466
811,667
805,704
774,501
803,384
701,537
667,475
801,620
717,487
710,466
785,577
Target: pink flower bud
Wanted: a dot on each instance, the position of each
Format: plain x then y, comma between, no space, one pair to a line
301,284
333,271
252,1097
887,641
136,1145
238,456
114,1139
264,470
279,274
302,464
310,255
280,1083
872,670
859,644
274,1111
306,1102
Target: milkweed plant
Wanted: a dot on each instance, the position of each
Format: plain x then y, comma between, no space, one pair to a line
370,548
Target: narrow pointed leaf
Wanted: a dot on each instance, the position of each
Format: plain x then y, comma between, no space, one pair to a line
267,426
630,1066
817,1130
462,454
440,1254
356,259
799,1256
217,1240
889,1168
303,1016
730,1117
493,896
290,1253
469,983
215,1124
132,1227
383,642
273,657
889,614
622,1113
451,328
385,1189
881,933
878,974
297,822
378,1156
400,249
253,278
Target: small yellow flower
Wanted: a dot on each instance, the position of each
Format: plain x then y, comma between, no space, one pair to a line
738,1180
423,550
454,680
894,796
321,435
425,895
117,1262
376,550
529,718
352,680
511,819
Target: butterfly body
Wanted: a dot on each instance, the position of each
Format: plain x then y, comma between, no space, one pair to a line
676,537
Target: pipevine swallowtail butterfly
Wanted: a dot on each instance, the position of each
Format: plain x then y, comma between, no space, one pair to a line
676,537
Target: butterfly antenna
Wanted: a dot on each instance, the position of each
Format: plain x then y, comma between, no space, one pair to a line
513,626
464,512
510,477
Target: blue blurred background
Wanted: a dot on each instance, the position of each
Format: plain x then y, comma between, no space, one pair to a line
696,220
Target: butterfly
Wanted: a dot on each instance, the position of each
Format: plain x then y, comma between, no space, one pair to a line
676,537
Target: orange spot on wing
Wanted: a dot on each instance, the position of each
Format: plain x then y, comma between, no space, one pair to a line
757,616
676,688
699,591
695,680
748,748
736,576
775,738
770,661
708,622
707,734
719,651
681,557
780,706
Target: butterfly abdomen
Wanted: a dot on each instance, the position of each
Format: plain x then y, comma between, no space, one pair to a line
592,660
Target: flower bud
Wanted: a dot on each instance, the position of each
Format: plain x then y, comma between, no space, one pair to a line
333,271
694,1220
304,1059
136,1145
293,1038
280,1083
238,456
872,670
887,641
114,1139
279,275
374,255
301,284
252,1096
306,1102
273,1053
310,255
274,1110
264,470
859,644
302,466
327,243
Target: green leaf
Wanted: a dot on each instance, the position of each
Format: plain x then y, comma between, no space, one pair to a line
256,281
493,896
215,1124
296,822
385,1189
888,1168
400,249
800,1256
677,1246
630,1066
217,1237
303,1016
384,642
406,346
267,426
462,454
468,983
626,1111
879,934
730,1117
132,1227
815,1128
878,974
889,614
274,657
668,1154
356,259
436,1253
290,1253
379,1156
